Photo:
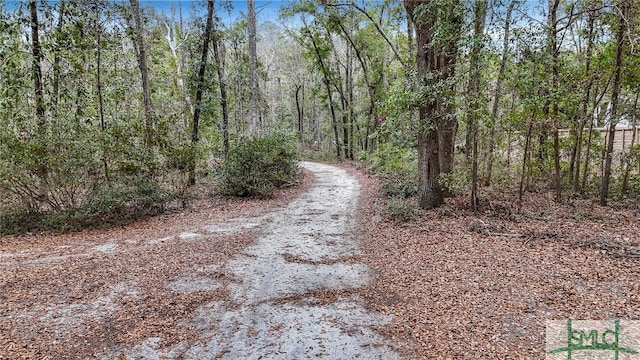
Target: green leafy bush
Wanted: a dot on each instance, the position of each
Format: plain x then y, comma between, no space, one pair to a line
398,170
117,202
399,209
260,165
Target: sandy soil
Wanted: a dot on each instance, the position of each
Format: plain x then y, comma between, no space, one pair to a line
245,287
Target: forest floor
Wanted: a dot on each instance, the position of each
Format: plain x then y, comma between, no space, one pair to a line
299,276
237,279
463,285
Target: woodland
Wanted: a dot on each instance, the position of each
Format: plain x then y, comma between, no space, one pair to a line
113,109
492,147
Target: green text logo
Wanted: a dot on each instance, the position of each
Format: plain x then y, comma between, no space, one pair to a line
590,340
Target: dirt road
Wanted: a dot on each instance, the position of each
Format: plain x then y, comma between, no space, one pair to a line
264,301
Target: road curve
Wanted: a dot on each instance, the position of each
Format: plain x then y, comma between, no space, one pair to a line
271,313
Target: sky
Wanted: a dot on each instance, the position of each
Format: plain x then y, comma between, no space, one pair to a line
265,10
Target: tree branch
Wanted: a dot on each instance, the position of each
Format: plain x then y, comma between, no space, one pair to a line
380,31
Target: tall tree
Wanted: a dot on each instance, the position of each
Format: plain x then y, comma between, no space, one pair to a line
36,66
475,97
218,55
172,41
56,59
254,91
553,48
588,78
615,94
497,94
326,77
437,25
144,73
195,128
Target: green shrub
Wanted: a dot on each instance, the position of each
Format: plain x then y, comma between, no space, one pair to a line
399,209
398,170
458,180
118,202
260,165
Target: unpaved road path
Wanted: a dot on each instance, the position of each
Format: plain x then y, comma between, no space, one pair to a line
269,303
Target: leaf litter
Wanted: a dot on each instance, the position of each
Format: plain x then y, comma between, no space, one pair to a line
463,285
451,284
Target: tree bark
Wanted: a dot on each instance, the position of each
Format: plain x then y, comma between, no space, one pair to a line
144,74
552,43
429,189
615,92
476,100
36,66
498,92
195,129
585,113
222,84
254,95
435,65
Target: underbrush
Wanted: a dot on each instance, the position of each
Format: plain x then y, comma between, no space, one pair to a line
397,169
259,166
114,203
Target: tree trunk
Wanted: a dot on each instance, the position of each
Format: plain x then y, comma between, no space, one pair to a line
625,180
620,37
585,113
371,88
222,84
300,111
596,101
410,35
195,130
476,98
552,43
429,189
103,126
55,98
42,171
447,140
254,95
144,73
36,66
527,144
435,65
498,93
179,78
327,84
